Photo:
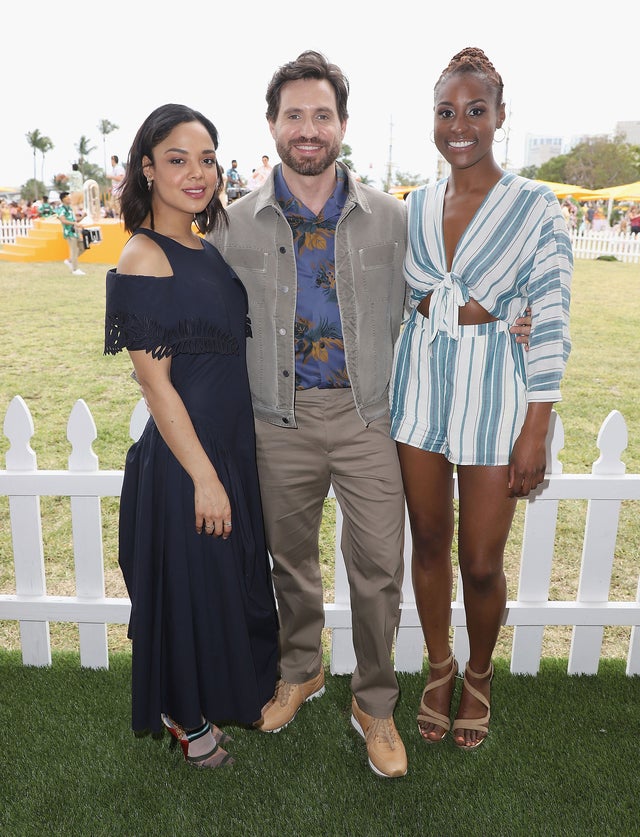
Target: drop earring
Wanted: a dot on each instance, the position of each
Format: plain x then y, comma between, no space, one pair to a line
149,183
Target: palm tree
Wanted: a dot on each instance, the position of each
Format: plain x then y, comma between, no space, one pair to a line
105,127
84,148
42,144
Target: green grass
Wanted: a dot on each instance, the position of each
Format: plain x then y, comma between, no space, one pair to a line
561,759
52,331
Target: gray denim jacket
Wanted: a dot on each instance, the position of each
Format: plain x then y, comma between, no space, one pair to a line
369,251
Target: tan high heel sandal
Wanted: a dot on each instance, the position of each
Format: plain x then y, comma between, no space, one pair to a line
478,724
426,715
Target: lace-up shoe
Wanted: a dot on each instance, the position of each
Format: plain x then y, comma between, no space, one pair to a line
387,755
287,700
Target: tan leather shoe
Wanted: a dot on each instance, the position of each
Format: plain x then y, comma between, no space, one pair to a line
387,756
287,700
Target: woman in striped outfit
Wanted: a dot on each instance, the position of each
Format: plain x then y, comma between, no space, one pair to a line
484,245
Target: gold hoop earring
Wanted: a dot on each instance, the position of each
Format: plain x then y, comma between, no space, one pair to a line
503,137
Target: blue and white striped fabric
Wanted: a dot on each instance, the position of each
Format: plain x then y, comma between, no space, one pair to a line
463,390
515,252
462,396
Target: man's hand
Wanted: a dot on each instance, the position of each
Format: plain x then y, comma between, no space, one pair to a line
522,329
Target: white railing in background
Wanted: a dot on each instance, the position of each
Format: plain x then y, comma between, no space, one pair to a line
605,488
10,230
625,247
586,245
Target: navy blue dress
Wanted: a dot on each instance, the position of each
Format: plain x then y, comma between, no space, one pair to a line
203,620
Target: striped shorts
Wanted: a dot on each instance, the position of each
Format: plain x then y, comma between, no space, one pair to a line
464,398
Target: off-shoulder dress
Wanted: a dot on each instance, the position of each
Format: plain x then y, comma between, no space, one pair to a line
203,620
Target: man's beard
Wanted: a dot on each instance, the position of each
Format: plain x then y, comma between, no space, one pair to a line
310,168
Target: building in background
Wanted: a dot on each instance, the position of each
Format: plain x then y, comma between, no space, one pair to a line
630,131
539,149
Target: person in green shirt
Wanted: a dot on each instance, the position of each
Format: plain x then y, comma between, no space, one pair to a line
45,210
70,230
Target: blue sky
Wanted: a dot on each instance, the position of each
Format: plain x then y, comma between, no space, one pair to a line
568,70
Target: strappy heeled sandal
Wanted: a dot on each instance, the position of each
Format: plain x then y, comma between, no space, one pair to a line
181,737
478,724
219,735
426,715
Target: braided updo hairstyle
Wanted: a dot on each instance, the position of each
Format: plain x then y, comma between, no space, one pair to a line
473,60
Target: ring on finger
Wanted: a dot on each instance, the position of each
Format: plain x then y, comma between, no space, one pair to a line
227,523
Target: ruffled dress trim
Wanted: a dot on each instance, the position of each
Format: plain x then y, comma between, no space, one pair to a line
167,316
127,330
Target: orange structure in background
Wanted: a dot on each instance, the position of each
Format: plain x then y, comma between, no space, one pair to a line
45,243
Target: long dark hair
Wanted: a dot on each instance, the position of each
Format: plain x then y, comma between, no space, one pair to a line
135,197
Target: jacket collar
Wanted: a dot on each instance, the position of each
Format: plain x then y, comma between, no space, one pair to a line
266,195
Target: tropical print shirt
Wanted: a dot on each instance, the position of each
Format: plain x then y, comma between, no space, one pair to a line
66,211
45,210
319,344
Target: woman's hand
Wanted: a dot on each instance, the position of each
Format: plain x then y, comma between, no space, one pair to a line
213,509
527,465
528,462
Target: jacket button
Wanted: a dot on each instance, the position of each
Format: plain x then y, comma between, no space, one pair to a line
286,373
285,420
283,249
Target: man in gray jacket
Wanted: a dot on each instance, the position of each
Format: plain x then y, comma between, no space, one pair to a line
321,258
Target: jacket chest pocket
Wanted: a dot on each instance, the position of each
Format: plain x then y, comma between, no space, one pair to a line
377,267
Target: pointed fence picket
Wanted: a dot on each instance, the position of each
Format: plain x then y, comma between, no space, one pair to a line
605,488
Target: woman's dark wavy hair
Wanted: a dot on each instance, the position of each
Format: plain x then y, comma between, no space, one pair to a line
135,197
309,64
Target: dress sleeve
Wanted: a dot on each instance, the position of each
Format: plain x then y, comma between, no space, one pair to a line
146,314
549,297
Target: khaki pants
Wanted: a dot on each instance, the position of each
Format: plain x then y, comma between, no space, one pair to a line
331,445
73,252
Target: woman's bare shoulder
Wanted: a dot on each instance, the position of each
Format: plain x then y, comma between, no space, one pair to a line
141,256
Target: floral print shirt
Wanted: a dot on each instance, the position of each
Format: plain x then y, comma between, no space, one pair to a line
319,344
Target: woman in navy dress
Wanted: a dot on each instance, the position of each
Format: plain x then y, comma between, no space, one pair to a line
191,546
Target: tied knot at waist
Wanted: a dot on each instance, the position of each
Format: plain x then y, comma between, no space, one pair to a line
450,294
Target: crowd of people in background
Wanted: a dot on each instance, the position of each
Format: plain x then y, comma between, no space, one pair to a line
592,216
588,216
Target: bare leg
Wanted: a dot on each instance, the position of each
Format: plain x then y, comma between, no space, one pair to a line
486,514
428,485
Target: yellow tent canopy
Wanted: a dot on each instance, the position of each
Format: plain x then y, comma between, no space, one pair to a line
626,192
566,190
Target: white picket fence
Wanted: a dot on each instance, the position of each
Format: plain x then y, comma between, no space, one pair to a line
10,230
85,484
586,245
591,244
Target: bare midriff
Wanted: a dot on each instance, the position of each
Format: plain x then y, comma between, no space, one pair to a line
472,313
